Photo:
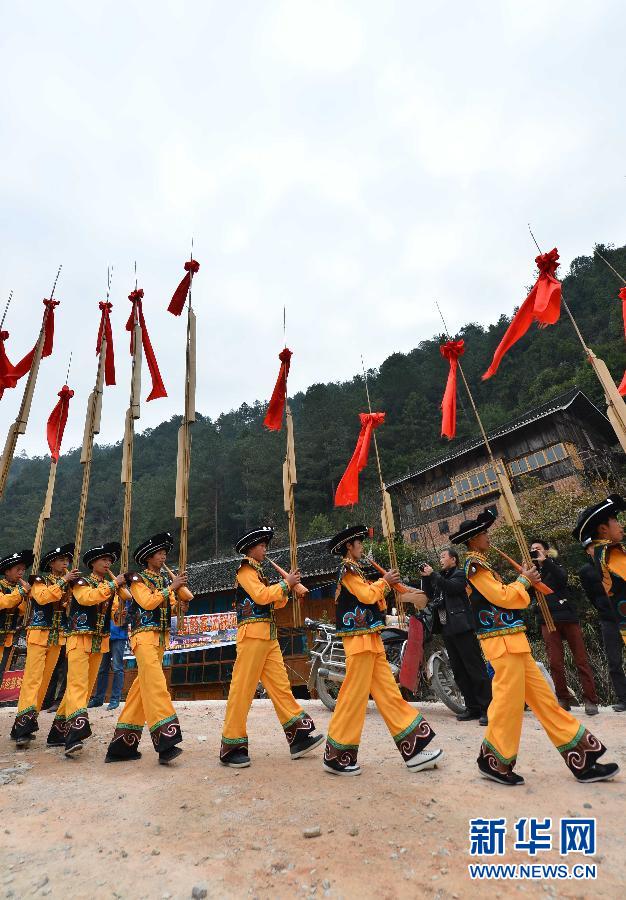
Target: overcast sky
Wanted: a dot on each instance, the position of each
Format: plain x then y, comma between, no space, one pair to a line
350,160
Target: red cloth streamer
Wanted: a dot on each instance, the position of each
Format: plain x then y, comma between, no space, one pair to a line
622,296
158,388
274,415
413,654
177,303
57,421
543,305
106,331
451,351
9,374
347,493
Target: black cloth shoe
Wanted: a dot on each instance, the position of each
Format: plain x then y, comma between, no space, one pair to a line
483,720
335,768
619,707
110,757
468,715
493,768
93,703
305,744
599,772
167,756
236,760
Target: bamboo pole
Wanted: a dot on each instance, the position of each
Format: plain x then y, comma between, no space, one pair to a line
21,422
92,427
132,414
389,527
183,463
510,508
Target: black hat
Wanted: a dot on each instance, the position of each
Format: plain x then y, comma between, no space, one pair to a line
51,555
336,544
261,535
161,541
599,514
20,556
112,549
471,527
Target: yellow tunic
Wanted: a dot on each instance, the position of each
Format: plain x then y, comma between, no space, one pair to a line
250,579
14,598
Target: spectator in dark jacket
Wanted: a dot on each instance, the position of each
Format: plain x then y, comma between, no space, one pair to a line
567,627
591,582
448,596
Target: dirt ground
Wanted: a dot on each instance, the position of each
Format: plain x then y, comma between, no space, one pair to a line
79,828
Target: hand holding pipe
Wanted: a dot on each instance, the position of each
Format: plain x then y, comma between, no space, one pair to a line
398,588
538,585
299,589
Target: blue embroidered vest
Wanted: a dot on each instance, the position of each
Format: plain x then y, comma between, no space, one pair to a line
616,586
491,620
8,617
247,610
90,619
48,616
157,619
352,616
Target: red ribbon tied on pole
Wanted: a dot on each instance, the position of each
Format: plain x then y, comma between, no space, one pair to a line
57,422
347,493
274,415
105,331
177,303
542,305
622,296
11,374
451,351
158,388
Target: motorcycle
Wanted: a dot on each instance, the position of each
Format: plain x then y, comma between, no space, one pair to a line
328,665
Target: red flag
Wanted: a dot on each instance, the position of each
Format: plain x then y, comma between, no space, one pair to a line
622,296
11,374
57,420
106,331
543,305
347,493
274,415
177,303
158,388
451,351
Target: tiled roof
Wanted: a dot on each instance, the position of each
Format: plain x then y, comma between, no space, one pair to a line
557,404
219,574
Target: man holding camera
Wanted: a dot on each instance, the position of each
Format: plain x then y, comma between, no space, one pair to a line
448,596
567,628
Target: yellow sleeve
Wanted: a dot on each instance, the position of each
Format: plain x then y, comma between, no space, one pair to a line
10,601
368,592
87,596
508,596
259,592
43,593
146,598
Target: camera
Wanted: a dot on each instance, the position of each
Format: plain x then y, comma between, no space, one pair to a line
534,554
421,567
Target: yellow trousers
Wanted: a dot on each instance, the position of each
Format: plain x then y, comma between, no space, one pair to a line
71,722
518,680
369,673
148,700
260,660
40,663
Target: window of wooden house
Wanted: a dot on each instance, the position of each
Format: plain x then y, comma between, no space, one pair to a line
538,459
474,484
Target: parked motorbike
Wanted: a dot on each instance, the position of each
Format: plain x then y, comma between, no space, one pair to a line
328,665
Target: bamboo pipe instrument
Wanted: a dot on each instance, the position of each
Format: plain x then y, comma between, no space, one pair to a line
539,585
299,589
399,588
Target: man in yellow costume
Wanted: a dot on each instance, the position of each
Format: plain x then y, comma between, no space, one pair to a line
45,637
92,603
153,597
517,680
13,593
259,657
360,614
600,523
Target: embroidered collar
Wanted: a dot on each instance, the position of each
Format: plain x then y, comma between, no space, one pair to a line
155,578
7,585
253,562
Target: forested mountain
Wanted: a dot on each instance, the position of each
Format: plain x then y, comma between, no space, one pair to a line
236,476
